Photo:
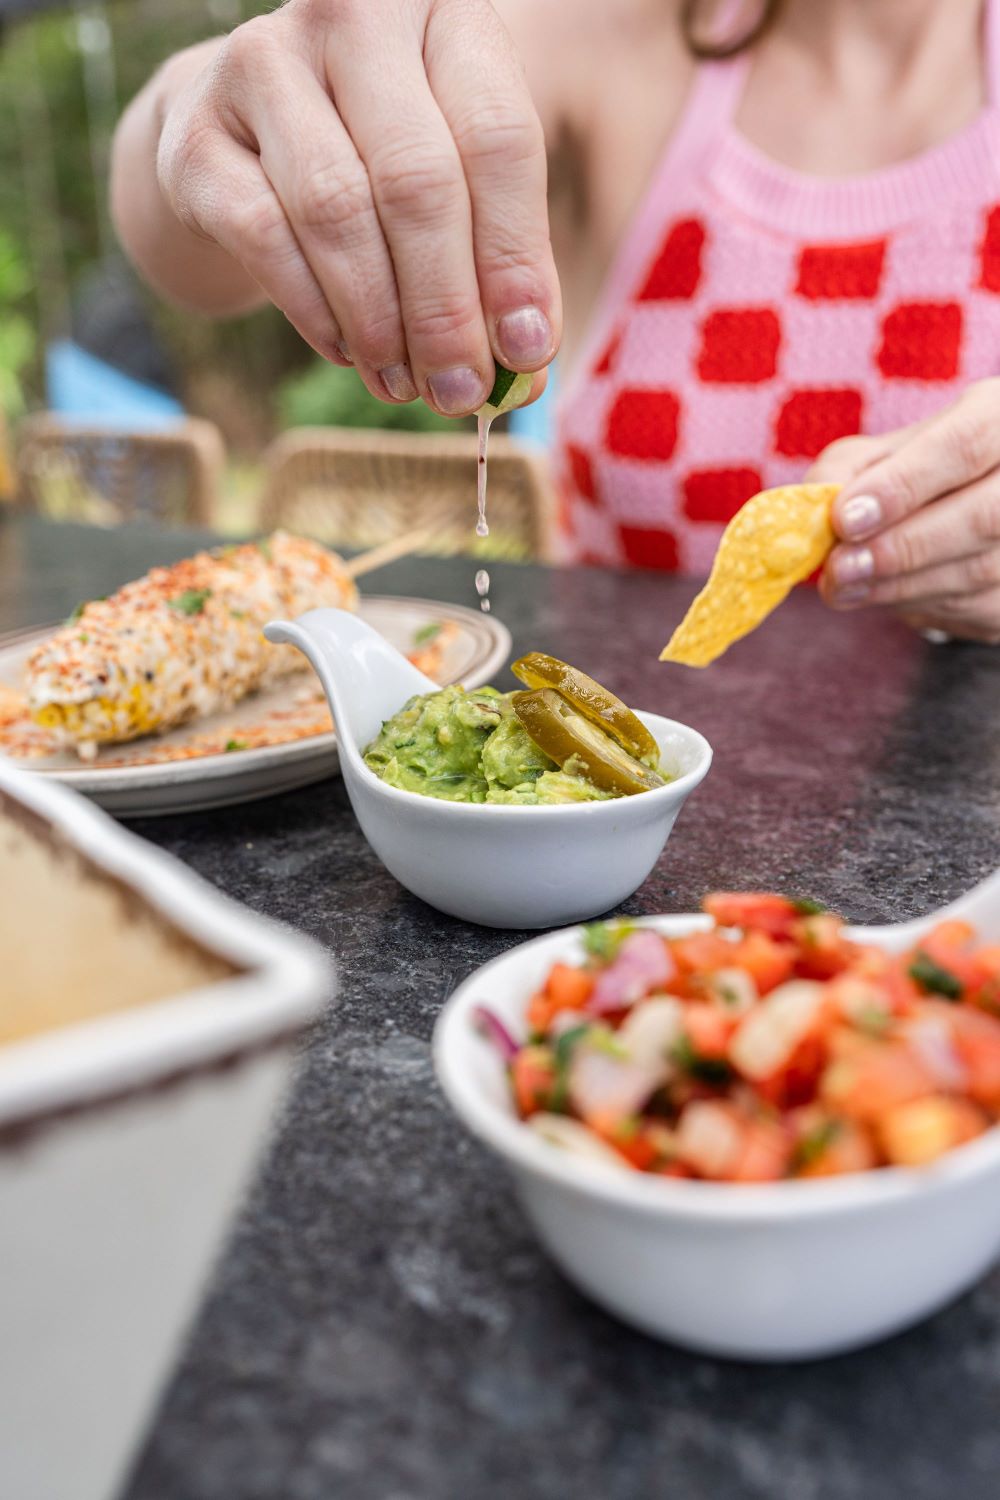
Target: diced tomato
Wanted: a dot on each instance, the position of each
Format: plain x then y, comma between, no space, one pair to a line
878,1076
947,945
950,934
756,912
768,962
567,988
977,1042
674,1169
708,1029
797,1082
904,996
642,1143
766,1154
847,1148
919,1132
533,1076
823,949
702,953
988,959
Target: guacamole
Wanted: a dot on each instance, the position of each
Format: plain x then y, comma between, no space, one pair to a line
471,747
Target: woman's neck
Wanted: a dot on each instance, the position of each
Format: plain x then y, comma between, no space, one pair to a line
885,42
851,86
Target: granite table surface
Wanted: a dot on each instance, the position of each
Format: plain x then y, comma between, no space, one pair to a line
382,1325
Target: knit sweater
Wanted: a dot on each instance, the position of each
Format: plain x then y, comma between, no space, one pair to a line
754,314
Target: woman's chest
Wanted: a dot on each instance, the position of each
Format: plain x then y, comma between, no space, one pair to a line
729,357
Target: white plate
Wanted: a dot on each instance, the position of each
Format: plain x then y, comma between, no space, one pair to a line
479,649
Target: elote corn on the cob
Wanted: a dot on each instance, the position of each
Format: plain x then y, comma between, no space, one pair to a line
182,642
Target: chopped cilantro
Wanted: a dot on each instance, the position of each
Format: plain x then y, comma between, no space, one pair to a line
264,546
711,1070
567,1041
504,380
83,638
813,1144
872,1019
603,939
807,907
238,614
427,633
934,979
191,602
564,1047
78,611
236,745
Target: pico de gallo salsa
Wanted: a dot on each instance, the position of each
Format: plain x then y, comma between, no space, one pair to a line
771,1046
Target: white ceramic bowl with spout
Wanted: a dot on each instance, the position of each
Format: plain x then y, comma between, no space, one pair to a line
762,1271
498,865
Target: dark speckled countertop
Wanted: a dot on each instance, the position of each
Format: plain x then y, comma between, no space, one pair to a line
382,1326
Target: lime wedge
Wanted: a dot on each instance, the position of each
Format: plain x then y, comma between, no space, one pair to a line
509,390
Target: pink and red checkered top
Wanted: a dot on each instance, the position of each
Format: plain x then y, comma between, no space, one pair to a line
754,314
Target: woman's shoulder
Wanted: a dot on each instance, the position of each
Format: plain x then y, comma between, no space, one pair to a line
572,48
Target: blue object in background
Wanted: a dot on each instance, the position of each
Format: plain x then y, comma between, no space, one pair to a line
537,421
82,386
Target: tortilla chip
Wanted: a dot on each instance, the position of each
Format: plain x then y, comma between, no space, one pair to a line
777,539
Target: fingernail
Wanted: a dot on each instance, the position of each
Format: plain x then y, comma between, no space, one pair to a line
459,390
343,351
859,516
398,382
852,565
525,336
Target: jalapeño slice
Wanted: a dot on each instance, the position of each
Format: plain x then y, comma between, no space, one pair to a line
536,670
577,745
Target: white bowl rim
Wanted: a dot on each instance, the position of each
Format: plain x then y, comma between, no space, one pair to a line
682,785
280,981
652,1196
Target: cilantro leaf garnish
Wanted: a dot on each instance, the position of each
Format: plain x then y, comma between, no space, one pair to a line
235,745
78,611
191,602
813,1144
603,939
807,907
710,1070
565,1045
427,633
933,978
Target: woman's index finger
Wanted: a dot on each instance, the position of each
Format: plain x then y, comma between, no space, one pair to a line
952,449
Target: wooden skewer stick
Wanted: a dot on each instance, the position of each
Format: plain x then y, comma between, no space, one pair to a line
387,552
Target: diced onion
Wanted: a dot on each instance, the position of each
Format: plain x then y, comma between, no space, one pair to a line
570,1135
766,1038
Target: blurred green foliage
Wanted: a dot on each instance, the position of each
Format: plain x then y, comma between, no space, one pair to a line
325,395
17,333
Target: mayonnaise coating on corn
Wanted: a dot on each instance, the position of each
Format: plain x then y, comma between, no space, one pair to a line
181,642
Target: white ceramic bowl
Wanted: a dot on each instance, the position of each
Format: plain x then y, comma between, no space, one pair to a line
788,1270
498,865
127,1139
